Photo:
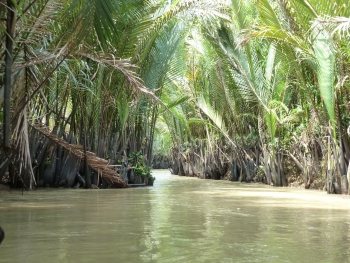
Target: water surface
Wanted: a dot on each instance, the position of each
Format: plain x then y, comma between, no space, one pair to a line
180,219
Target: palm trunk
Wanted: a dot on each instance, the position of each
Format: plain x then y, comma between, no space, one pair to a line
153,124
86,166
11,20
341,157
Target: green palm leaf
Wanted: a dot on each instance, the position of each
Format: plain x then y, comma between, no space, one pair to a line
325,55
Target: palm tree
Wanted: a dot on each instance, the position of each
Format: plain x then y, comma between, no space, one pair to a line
259,81
249,87
77,83
46,52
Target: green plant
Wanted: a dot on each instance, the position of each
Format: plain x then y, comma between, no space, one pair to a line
48,161
140,166
152,177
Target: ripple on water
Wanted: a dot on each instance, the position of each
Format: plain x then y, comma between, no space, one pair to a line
178,220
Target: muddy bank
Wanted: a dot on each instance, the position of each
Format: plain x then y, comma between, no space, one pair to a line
248,171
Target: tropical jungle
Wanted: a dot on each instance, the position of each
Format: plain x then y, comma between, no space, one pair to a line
241,90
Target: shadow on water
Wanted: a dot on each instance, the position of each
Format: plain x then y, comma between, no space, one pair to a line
180,219
2,235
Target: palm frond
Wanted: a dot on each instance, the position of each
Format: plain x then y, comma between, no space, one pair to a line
325,55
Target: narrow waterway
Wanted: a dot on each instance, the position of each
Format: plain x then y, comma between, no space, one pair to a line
178,220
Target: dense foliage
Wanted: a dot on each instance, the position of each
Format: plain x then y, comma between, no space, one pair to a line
243,89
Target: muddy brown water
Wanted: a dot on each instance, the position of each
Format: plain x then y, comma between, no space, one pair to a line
178,220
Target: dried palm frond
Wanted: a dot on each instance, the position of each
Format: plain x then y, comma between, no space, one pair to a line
126,68
100,165
338,25
21,140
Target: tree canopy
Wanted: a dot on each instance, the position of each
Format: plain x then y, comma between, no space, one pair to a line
248,89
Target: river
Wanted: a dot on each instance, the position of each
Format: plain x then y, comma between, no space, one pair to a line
180,219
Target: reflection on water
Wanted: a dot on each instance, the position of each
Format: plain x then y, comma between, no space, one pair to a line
178,220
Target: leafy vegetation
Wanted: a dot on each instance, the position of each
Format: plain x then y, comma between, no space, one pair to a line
139,165
241,89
